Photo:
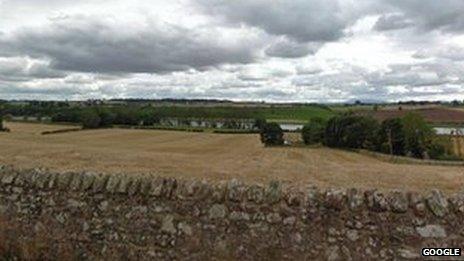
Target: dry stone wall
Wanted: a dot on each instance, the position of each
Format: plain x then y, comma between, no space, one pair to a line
96,216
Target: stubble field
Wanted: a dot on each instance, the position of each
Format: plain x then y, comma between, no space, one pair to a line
213,157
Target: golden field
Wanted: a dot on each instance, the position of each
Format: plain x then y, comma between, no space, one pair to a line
213,157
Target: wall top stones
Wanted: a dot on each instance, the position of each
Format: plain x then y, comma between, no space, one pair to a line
396,201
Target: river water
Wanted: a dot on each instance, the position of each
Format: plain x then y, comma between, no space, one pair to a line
439,130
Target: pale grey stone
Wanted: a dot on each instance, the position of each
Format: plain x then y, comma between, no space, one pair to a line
99,183
134,186
112,184
274,192
333,253
61,217
398,201
64,179
255,193
273,218
185,228
103,206
355,199
434,231
74,203
76,181
352,235
219,191
85,226
124,184
312,197
437,203
335,198
239,216
217,211
156,187
409,253
235,190
42,180
87,181
289,221
376,201
457,202
167,225
9,177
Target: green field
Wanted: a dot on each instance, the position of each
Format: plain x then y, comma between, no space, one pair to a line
135,112
278,113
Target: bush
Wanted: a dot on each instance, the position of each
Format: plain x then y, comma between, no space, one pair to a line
418,135
313,131
3,128
90,120
126,116
235,131
351,131
272,134
436,150
390,137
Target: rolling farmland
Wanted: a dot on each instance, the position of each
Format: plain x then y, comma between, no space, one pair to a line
213,157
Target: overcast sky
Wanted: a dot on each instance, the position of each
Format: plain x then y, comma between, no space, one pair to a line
273,50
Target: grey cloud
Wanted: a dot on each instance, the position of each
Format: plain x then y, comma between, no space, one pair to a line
20,69
392,22
285,48
431,14
322,21
303,20
28,90
262,74
453,53
84,44
308,70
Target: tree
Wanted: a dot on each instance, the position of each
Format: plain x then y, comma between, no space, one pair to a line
351,131
149,117
259,123
272,134
418,135
390,137
1,123
313,131
90,120
106,117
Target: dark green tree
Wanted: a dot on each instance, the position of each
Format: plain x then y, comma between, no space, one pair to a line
418,135
313,131
390,137
259,123
106,117
149,117
90,120
351,131
272,134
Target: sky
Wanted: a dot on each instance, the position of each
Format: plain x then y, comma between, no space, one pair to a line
253,50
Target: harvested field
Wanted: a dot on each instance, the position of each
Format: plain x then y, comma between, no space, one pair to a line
433,115
213,157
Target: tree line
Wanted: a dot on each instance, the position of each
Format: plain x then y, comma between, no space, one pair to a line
409,136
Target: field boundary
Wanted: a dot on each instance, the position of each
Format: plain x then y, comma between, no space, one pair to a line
407,160
80,215
61,131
